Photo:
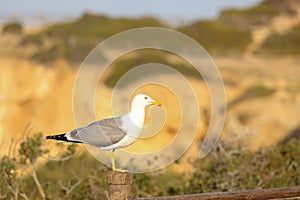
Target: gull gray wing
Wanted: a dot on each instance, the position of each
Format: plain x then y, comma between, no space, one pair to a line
101,133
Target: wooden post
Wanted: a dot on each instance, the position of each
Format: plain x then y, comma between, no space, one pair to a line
119,185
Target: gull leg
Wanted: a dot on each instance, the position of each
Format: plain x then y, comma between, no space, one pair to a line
113,164
112,158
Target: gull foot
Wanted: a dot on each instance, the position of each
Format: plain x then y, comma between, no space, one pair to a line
119,170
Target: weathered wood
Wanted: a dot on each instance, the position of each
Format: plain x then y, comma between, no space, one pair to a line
119,185
120,189
260,194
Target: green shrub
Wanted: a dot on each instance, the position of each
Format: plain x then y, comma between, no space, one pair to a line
283,44
139,57
258,11
8,176
258,15
12,28
218,37
31,148
271,167
259,91
77,38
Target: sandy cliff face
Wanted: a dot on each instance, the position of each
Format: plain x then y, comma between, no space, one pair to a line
33,94
42,97
264,119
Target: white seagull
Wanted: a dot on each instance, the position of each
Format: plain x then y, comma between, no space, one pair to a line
112,133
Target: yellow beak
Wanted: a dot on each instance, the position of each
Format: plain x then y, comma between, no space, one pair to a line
156,103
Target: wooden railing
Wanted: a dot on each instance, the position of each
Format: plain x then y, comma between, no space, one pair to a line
120,189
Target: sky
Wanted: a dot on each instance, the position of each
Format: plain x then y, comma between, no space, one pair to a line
35,12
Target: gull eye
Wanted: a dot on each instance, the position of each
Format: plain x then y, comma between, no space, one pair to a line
145,97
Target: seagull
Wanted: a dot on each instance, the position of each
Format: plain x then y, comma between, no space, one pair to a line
112,133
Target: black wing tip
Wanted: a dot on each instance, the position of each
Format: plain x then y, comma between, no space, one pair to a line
61,137
48,137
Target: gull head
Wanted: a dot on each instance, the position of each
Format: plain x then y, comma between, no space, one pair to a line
143,100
